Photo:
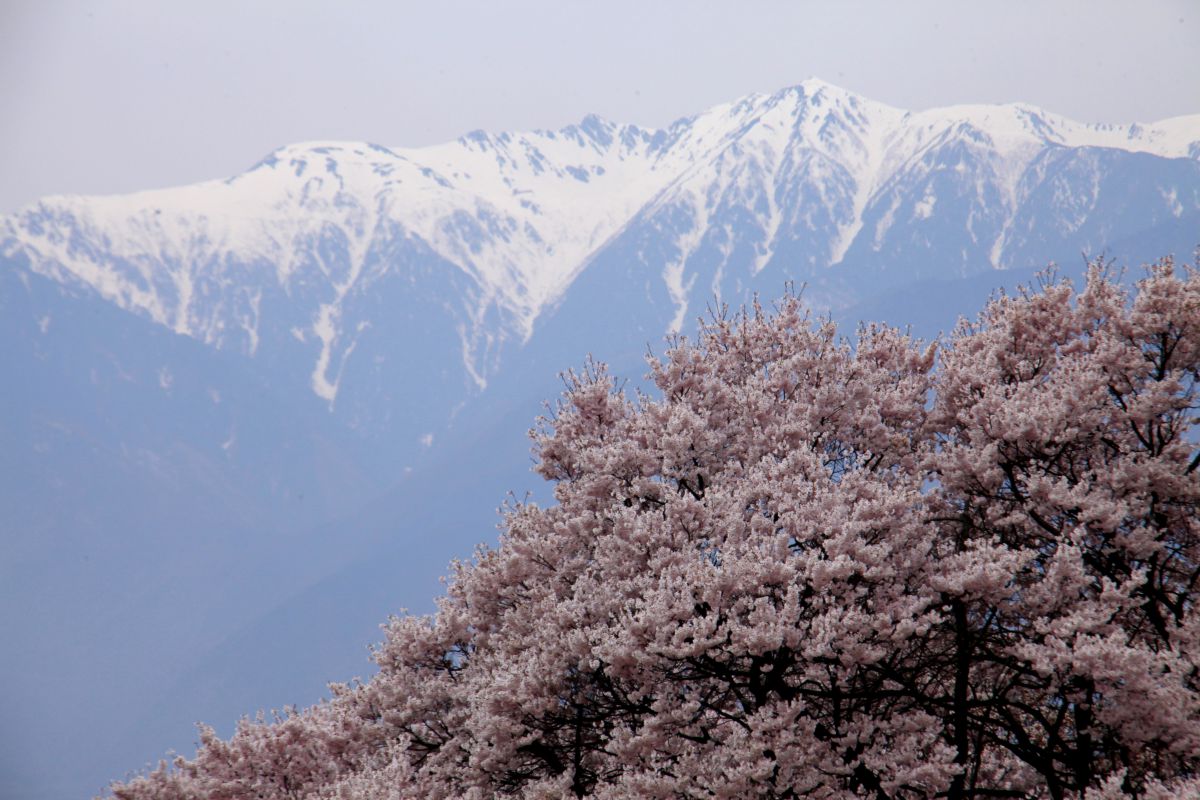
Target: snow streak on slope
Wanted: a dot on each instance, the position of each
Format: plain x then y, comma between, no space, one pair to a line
520,215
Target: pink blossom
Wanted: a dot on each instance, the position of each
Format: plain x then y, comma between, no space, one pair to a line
812,569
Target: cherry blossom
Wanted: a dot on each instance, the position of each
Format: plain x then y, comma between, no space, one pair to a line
809,567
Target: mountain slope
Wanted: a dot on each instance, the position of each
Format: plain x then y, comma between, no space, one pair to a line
811,183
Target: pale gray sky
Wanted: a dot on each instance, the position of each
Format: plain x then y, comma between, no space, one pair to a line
108,96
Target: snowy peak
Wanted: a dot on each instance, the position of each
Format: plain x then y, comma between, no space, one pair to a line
805,183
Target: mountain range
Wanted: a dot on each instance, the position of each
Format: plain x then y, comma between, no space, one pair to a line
246,419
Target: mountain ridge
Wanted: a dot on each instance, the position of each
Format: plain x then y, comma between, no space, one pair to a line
521,215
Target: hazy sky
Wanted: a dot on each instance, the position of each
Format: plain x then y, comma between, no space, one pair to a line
107,96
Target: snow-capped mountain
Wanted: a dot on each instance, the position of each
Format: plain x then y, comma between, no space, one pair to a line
247,419
812,184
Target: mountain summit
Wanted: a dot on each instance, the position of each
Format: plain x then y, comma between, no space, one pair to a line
812,183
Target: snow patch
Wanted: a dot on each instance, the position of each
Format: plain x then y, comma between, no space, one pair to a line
673,277
325,329
673,272
1172,198
249,323
924,207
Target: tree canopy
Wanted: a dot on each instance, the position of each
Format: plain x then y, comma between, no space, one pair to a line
811,568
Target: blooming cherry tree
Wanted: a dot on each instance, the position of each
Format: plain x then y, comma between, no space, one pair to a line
811,569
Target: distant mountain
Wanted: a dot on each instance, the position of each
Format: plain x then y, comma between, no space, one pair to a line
242,404
480,236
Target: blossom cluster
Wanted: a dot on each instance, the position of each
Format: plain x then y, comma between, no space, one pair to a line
812,568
